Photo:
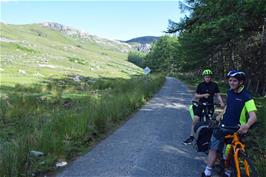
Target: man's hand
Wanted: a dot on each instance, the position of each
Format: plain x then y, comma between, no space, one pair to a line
219,117
243,129
206,95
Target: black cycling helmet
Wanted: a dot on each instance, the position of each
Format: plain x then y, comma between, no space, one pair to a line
239,75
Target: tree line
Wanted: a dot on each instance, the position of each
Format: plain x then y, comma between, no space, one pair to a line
221,35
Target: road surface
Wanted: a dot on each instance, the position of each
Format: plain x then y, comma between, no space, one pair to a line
149,144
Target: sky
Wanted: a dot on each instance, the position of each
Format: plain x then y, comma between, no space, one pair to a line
121,20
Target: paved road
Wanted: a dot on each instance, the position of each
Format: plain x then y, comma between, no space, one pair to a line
149,144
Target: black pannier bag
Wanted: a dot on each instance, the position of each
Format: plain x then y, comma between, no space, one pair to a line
202,136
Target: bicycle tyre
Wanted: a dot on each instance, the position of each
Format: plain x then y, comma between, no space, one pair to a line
245,164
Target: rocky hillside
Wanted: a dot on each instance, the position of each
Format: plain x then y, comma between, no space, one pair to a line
144,40
142,44
35,52
67,30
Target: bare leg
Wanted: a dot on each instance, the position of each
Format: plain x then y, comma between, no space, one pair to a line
211,158
195,121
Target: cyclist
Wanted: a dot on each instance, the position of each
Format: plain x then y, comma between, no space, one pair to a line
239,103
205,93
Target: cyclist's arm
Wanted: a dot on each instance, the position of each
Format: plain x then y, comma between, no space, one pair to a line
201,95
220,99
198,93
252,119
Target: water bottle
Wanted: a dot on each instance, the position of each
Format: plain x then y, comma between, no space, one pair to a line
226,151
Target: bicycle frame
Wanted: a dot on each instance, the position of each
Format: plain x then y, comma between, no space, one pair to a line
236,146
206,113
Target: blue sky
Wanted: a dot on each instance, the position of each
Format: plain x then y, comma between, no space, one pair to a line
121,20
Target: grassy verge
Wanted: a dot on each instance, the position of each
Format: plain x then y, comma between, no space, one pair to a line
256,141
63,118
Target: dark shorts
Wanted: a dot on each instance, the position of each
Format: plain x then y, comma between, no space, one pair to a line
198,110
217,139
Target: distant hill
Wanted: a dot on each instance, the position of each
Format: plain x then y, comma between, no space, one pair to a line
142,44
143,40
34,52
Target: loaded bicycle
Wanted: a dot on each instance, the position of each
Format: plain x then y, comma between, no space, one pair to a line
234,157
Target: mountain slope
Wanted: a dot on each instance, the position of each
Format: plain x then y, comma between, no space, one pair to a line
31,53
142,44
143,40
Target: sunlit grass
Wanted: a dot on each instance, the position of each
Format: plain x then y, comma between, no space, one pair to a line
62,118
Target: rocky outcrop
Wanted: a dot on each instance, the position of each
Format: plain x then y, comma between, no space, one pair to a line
142,44
143,47
65,29
123,47
3,39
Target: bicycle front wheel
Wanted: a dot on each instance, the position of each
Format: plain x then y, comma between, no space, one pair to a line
244,166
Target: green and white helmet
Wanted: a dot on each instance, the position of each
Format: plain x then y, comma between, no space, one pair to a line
207,72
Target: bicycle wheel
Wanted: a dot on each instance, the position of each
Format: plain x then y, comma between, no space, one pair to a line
246,166
219,167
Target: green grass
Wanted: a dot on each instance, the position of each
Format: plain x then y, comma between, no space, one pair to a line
63,118
77,60
256,141
44,109
36,53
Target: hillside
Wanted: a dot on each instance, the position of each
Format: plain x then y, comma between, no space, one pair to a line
142,44
143,40
32,53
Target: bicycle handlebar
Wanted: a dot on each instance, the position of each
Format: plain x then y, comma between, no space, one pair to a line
235,128
205,103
